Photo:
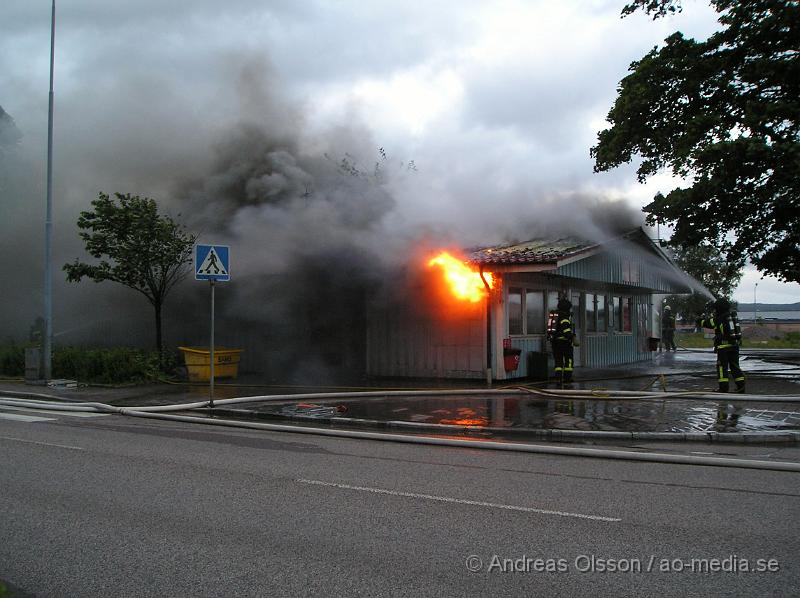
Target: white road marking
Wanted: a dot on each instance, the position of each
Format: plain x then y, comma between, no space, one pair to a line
460,501
64,446
25,418
54,412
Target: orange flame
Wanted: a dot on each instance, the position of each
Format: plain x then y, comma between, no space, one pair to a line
464,282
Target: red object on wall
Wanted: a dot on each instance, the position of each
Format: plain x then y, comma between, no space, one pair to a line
511,362
511,358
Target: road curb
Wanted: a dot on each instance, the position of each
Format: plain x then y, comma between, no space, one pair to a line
25,394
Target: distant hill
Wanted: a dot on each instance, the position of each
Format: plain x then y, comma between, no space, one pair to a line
766,307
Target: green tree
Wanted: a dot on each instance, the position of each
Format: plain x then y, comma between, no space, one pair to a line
136,246
723,114
713,270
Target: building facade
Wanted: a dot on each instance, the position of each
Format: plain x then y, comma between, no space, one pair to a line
613,286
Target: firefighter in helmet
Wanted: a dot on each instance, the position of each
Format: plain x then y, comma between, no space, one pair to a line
560,333
727,339
668,329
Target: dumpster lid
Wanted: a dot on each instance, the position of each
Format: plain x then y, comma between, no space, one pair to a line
207,350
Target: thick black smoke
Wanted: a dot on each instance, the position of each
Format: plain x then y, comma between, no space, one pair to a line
317,223
308,248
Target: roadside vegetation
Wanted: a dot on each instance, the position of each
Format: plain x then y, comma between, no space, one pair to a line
775,340
119,365
12,361
721,115
133,245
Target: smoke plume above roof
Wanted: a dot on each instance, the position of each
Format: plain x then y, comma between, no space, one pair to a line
321,142
287,201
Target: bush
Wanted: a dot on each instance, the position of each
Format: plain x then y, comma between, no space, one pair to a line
106,366
109,366
793,337
12,360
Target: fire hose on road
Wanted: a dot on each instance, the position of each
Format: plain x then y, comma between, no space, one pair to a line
162,412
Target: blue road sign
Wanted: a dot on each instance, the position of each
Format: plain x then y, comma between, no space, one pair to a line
212,262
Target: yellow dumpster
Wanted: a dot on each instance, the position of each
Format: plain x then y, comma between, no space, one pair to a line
198,363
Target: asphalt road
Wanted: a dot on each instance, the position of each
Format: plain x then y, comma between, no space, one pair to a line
112,506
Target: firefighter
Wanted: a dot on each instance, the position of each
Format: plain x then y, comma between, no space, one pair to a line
727,338
668,328
560,333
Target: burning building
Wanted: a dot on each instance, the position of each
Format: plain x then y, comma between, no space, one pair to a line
456,314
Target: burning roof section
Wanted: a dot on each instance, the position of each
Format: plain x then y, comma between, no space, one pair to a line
536,251
631,258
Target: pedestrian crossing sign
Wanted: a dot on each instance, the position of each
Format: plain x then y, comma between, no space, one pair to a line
212,262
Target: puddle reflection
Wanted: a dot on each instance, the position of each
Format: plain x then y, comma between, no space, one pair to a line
524,412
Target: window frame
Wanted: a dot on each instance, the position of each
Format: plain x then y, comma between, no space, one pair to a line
592,319
621,306
591,313
514,291
543,295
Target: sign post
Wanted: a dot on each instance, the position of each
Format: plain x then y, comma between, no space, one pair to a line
211,381
212,263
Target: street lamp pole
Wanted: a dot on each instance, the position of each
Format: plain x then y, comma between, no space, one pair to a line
755,304
48,225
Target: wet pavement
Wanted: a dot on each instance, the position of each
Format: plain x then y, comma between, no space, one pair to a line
768,372
524,413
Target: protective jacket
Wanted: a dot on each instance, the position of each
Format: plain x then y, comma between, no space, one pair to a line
561,335
559,327
727,332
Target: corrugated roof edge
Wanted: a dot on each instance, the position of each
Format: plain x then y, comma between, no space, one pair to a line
541,251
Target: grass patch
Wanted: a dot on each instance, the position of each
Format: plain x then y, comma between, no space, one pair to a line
694,340
787,340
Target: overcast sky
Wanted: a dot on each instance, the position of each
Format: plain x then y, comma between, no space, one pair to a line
496,102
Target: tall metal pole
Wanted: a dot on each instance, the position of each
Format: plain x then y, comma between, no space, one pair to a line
48,226
755,305
211,387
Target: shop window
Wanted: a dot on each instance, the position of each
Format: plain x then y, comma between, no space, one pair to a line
619,314
591,311
641,319
614,318
615,314
627,303
514,311
601,313
552,301
596,314
577,316
526,311
534,312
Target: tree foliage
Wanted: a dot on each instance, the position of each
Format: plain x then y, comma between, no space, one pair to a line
724,114
136,246
657,8
714,271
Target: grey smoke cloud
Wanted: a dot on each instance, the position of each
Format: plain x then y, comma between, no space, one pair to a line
222,113
313,231
10,135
